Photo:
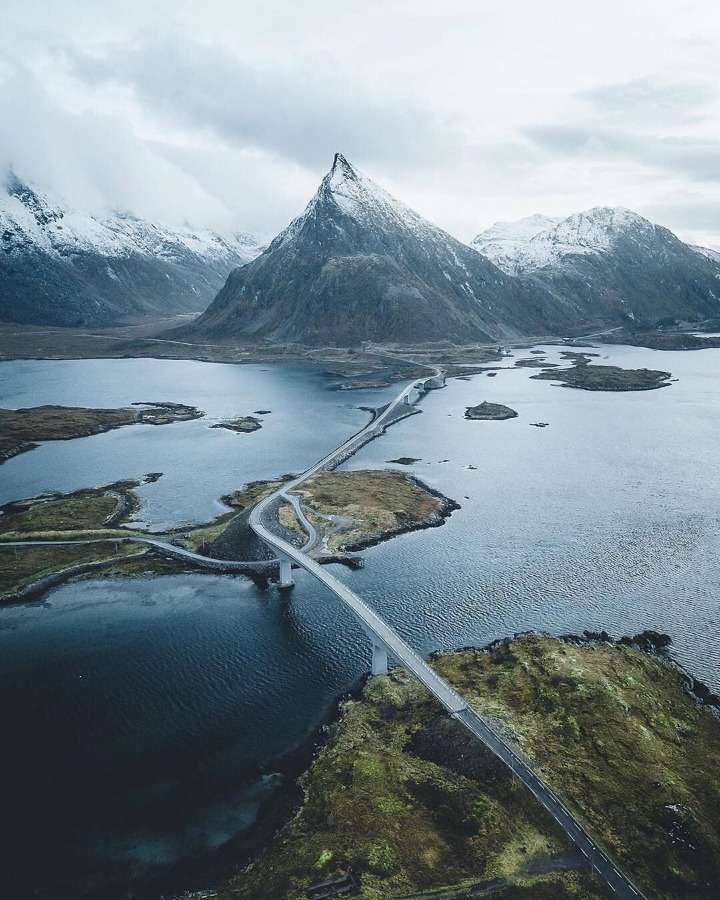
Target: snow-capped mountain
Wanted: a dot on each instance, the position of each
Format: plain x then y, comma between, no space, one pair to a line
615,263
360,265
62,266
504,242
707,252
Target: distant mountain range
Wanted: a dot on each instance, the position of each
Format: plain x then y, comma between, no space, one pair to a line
356,265
619,266
359,265
59,266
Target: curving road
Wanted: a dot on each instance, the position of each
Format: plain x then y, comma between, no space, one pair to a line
170,549
381,632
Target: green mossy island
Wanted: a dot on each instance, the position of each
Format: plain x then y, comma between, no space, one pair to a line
85,515
21,429
401,795
354,510
350,510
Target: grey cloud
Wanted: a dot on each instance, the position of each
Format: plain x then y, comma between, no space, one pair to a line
645,101
92,160
302,114
692,158
696,214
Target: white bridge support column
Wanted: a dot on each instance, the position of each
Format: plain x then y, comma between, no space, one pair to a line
379,658
286,579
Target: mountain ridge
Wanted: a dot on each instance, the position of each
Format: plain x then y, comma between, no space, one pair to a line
357,264
62,266
619,265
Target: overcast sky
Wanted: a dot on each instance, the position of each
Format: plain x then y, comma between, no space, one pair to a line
228,112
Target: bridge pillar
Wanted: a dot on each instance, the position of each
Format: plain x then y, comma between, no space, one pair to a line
379,659
286,579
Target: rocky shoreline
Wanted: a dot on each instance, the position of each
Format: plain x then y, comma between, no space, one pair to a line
446,508
337,755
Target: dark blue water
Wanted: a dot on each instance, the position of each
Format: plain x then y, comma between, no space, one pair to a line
138,710
135,712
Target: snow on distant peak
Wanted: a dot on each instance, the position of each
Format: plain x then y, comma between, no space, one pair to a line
346,190
31,219
707,252
503,242
358,196
540,241
521,230
598,228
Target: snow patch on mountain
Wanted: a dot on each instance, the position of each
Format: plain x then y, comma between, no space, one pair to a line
366,203
539,242
707,252
31,220
503,241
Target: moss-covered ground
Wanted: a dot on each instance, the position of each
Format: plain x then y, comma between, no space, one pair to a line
81,515
406,799
415,806
86,512
20,429
369,503
613,730
21,567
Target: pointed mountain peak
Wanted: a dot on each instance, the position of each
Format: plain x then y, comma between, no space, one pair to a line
341,174
360,198
340,164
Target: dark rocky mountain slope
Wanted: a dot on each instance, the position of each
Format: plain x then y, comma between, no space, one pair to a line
618,266
59,266
359,265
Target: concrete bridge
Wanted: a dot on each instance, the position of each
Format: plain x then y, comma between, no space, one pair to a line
386,642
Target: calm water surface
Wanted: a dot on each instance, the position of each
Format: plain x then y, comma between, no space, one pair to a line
139,709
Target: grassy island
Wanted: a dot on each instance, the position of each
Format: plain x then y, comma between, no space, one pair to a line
403,797
21,429
350,511
85,515
354,510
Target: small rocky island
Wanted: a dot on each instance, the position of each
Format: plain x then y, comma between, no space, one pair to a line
22,429
355,510
586,377
241,425
491,412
